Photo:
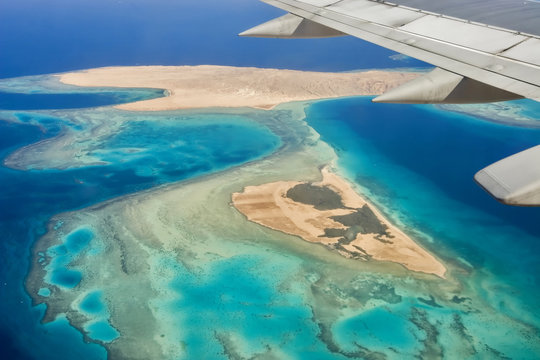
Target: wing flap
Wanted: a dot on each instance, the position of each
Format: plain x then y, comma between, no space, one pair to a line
527,52
291,26
444,87
514,180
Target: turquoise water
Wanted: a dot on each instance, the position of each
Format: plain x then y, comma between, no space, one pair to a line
65,278
381,327
180,147
47,37
93,303
74,100
59,271
76,241
531,108
44,292
240,297
102,331
98,327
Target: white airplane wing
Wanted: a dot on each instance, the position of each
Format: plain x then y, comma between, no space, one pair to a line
484,50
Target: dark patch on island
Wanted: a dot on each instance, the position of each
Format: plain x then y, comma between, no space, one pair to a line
349,236
363,221
359,221
321,197
333,233
358,255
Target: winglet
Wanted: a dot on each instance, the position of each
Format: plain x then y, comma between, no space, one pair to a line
444,87
291,27
514,180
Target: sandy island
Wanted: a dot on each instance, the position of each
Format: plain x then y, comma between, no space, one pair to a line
224,86
331,213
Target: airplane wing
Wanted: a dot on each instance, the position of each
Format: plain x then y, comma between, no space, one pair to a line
484,50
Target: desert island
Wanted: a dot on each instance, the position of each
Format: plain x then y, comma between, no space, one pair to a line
332,213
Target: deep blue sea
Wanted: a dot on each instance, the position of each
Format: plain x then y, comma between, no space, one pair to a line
416,160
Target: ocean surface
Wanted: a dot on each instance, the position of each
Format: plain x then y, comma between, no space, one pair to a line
415,162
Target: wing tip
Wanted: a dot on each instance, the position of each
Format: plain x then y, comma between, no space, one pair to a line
514,180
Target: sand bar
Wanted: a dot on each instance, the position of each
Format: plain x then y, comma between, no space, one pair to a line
224,86
332,213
